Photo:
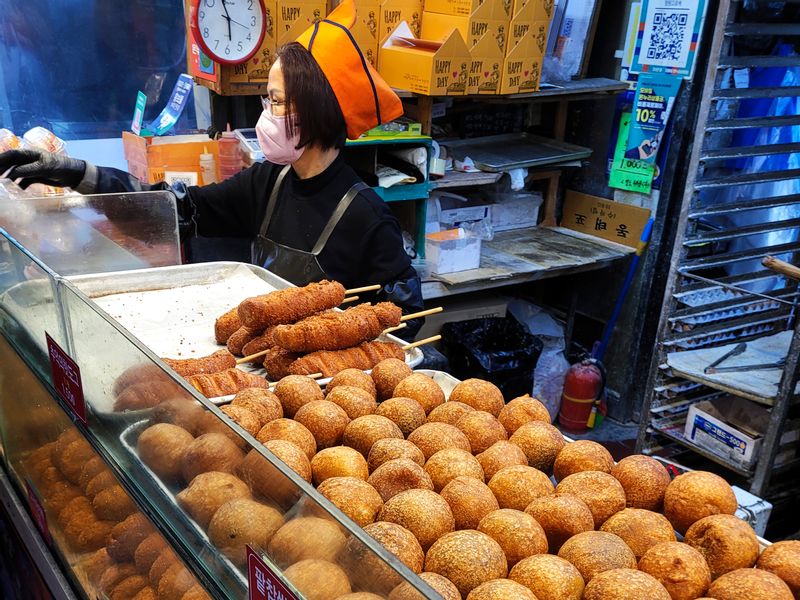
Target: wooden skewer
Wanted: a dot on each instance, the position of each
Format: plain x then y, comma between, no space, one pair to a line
366,288
245,359
780,266
391,329
433,338
350,299
422,313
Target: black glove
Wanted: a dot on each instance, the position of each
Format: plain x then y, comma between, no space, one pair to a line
37,166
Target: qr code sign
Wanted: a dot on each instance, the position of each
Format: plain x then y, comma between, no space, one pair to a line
667,36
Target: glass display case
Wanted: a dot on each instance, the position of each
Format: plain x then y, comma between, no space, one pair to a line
127,516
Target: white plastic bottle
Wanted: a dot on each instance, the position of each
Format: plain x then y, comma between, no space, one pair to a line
208,167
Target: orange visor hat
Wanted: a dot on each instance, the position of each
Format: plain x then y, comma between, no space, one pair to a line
364,97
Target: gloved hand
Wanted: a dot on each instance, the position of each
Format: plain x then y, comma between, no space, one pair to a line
37,166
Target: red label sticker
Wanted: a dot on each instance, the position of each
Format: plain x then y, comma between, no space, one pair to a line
262,582
37,514
66,378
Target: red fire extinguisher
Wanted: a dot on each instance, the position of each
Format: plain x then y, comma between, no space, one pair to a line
580,400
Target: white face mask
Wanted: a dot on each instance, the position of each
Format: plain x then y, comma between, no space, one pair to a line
277,147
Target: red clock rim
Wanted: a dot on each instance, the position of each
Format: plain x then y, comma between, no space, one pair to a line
195,28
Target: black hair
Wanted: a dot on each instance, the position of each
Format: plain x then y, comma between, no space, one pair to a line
311,103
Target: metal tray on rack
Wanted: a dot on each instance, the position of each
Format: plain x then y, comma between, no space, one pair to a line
172,310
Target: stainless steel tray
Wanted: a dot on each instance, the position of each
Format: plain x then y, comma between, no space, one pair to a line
497,153
172,310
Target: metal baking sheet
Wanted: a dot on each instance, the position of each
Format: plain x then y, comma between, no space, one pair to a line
172,310
497,153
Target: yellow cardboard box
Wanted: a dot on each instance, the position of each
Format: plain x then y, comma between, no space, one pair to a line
542,9
436,26
486,67
522,68
295,16
425,67
522,25
393,12
366,41
498,9
256,70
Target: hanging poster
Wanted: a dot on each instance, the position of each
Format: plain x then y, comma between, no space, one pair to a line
655,94
669,32
629,173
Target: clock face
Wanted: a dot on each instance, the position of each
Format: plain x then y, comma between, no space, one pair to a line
229,31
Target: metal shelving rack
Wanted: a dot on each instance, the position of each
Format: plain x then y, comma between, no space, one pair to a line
716,242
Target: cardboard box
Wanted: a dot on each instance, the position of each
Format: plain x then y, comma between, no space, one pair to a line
394,12
148,157
733,427
523,24
452,209
473,28
516,210
497,9
430,68
463,310
295,16
542,9
452,250
366,41
522,68
486,67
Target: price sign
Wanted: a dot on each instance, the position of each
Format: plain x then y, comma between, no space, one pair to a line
263,584
655,94
66,378
37,513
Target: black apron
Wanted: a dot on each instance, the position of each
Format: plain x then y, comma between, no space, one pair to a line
298,266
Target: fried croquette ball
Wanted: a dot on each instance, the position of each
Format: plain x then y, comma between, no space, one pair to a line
406,413
210,452
516,487
421,388
599,491
207,492
306,538
290,431
388,449
387,374
432,437
423,512
697,494
541,443
582,455
295,391
162,446
480,395
644,480
325,420
339,461
467,558
593,552
363,432
523,410
354,497
352,378
470,500
355,401
398,475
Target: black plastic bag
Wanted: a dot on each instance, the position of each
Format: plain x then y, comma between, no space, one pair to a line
499,350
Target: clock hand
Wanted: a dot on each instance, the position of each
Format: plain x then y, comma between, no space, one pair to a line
227,17
237,23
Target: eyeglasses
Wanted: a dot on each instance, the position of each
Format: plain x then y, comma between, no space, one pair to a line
277,108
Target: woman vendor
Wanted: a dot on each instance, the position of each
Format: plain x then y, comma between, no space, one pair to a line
309,215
